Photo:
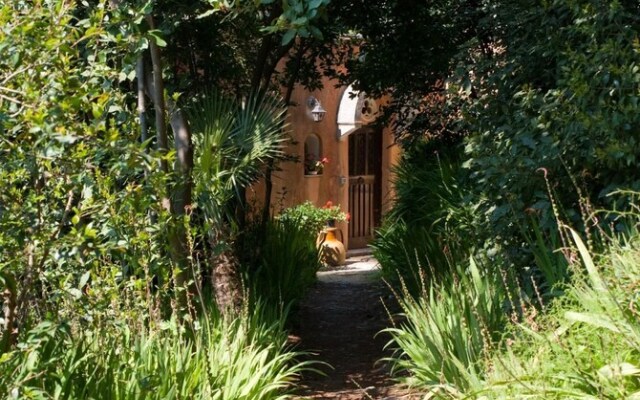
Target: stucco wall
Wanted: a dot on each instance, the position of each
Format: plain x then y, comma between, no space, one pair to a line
291,186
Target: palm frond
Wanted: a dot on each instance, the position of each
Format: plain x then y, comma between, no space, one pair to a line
233,142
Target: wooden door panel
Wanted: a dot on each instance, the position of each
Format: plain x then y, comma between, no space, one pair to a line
361,207
365,174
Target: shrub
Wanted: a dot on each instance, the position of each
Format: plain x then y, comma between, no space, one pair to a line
282,260
448,332
558,97
429,226
404,252
587,344
245,358
551,265
312,218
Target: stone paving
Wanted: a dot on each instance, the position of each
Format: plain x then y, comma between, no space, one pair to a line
339,323
358,269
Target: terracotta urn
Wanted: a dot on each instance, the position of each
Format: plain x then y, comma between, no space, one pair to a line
332,250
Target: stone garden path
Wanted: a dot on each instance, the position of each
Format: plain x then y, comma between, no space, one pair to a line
338,322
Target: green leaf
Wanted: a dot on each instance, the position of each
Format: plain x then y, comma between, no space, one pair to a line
614,371
155,35
90,232
315,32
592,319
594,275
288,37
206,13
300,21
313,4
84,279
66,139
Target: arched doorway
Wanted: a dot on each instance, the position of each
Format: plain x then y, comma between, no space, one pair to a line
365,160
365,184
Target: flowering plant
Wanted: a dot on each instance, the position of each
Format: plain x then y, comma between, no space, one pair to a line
314,218
334,214
313,165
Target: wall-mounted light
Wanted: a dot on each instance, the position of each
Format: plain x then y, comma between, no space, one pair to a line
317,112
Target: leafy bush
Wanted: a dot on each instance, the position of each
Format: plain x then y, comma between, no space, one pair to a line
557,98
429,226
580,344
550,263
241,359
77,215
282,260
586,346
312,218
448,332
405,252
85,231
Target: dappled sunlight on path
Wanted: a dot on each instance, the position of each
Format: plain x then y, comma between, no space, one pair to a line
339,321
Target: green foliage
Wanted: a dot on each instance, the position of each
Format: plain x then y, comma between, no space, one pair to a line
448,331
253,49
587,344
233,143
311,218
427,187
550,92
283,261
76,215
581,345
429,226
558,99
405,252
228,360
297,17
538,88
550,261
85,274
406,50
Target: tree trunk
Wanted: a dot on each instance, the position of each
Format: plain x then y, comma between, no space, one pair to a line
184,159
181,201
9,304
226,281
265,48
157,94
142,105
180,193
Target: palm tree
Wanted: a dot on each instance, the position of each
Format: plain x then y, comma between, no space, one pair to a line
233,142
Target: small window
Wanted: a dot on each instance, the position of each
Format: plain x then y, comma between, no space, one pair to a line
313,158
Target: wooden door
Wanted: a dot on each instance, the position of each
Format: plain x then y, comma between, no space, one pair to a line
365,160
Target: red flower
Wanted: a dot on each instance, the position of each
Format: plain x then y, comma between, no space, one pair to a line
329,204
348,216
324,160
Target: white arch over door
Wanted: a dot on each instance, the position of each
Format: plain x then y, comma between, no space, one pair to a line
354,111
348,112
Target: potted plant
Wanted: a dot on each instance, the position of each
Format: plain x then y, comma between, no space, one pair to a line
314,218
321,221
334,213
332,250
313,166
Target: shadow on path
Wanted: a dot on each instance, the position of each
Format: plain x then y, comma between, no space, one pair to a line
339,322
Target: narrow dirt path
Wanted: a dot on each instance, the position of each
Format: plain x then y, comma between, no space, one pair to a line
338,322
